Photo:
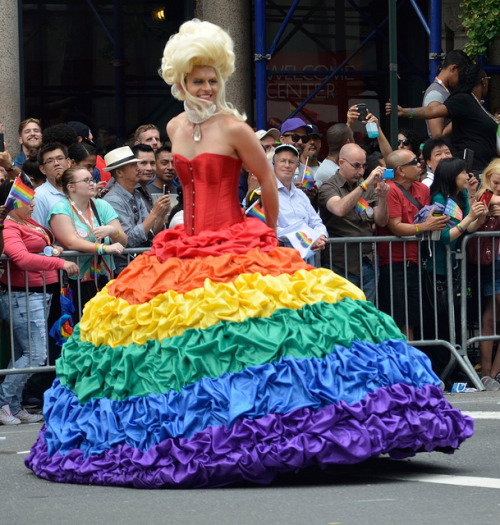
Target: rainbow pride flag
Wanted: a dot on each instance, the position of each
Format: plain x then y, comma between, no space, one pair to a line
452,209
304,240
256,211
307,179
20,195
361,205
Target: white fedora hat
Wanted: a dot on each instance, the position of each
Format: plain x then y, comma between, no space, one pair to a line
273,132
119,157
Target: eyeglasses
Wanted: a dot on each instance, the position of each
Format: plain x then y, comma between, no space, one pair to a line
53,160
269,147
413,162
405,142
87,181
287,161
296,138
356,165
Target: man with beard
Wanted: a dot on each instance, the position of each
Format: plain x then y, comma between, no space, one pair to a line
30,138
311,150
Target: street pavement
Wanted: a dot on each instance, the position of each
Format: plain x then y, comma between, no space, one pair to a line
430,489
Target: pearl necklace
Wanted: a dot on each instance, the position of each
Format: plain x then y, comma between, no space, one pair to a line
194,117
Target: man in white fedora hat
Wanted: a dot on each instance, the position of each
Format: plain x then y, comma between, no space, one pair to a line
269,139
139,225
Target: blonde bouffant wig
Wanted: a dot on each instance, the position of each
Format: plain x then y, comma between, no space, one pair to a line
199,44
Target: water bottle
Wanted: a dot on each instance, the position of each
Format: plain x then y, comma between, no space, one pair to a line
372,130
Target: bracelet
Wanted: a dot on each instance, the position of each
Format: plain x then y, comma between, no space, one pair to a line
364,186
412,113
96,247
114,237
12,167
417,229
460,228
103,249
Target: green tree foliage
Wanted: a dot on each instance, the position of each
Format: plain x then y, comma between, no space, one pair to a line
481,21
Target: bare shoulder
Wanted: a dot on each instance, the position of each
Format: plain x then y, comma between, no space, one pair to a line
235,125
174,123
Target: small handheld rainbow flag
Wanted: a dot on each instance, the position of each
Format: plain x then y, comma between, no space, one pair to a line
256,211
361,205
452,209
307,179
20,195
304,240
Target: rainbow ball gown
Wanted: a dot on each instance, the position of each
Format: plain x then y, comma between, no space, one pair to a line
219,357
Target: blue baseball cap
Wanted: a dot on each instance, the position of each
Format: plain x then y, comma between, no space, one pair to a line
295,123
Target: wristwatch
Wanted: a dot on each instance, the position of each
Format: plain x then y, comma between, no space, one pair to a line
12,167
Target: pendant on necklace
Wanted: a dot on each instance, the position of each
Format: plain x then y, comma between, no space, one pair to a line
197,133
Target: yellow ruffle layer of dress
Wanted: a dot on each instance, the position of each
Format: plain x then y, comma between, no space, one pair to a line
109,320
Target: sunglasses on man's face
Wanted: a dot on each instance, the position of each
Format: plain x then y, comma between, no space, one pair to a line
413,162
405,142
296,138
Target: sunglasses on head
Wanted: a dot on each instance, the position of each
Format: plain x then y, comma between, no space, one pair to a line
413,162
405,142
296,138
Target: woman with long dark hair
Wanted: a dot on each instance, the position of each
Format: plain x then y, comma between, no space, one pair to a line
473,126
450,190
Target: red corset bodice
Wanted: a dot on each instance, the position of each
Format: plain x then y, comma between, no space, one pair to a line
210,191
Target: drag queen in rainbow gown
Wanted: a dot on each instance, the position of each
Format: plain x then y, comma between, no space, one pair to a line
219,357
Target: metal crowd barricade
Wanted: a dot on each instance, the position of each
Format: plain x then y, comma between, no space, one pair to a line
14,353
458,351
474,275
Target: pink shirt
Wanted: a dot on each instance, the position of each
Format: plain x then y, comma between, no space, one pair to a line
21,244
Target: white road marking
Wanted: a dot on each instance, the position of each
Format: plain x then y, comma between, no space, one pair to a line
482,415
443,479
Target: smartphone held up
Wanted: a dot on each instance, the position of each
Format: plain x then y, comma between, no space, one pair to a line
486,197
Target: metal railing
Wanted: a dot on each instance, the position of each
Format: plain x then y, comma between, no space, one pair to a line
463,332
72,255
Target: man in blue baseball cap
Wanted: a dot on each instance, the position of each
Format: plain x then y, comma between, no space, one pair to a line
296,132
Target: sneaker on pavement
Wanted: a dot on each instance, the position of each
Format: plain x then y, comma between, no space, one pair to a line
25,417
490,384
6,417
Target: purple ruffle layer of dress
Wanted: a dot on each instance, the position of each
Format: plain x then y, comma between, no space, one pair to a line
399,420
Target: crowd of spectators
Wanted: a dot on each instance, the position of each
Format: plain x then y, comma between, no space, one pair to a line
100,206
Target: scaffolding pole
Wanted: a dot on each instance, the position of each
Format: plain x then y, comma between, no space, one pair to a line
393,70
260,64
435,36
